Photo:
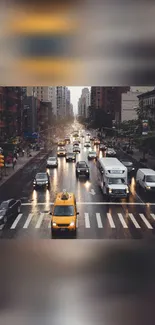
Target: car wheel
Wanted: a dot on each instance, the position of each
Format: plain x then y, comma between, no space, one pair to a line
75,233
5,219
53,232
18,209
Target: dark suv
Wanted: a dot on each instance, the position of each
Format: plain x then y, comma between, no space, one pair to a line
70,156
82,169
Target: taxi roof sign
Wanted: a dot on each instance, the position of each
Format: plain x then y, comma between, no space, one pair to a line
65,195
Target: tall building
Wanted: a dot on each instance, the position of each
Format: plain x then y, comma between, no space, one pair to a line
67,102
61,101
97,97
10,112
108,99
147,105
30,116
142,89
45,94
128,105
84,103
71,112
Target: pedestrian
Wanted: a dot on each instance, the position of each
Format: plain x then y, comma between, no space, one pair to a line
14,162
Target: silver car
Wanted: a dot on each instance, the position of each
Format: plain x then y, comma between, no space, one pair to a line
52,162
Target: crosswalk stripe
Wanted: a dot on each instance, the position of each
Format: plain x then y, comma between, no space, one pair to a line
16,221
111,221
40,220
134,220
27,222
122,220
148,225
153,215
87,221
99,221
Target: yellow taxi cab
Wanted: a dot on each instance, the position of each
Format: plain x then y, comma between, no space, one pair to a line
61,152
61,143
64,214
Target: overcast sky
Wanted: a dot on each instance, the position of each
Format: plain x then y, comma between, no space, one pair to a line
75,95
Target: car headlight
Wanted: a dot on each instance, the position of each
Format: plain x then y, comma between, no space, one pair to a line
72,223
54,223
78,170
133,168
127,190
34,182
87,170
148,187
46,182
110,190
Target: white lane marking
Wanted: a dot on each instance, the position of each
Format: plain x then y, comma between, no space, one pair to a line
16,221
27,222
40,220
111,221
153,215
94,203
122,220
2,226
134,220
99,221
87,221
148,225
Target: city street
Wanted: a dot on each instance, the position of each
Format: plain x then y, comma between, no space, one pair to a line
97,218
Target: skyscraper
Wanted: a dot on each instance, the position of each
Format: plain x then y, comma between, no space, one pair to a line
108,99
83,103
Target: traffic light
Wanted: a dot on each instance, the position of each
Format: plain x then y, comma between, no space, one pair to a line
1,160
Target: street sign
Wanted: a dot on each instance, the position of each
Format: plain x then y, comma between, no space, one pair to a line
144,127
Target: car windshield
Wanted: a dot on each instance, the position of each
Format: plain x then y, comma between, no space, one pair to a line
67,210
150,179
52,158
41,176
83,165
4,205
116,181
92,152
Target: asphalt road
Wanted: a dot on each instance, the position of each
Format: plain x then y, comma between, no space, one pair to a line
97,218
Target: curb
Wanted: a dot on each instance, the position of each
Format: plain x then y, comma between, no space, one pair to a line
23,166
135,160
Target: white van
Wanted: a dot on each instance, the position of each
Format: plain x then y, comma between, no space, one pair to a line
145,178
113,178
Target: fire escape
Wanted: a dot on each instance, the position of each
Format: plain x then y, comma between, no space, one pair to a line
13,111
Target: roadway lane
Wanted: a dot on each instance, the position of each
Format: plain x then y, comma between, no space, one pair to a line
97,218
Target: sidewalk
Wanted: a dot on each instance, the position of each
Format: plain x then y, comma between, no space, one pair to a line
21,162
137,155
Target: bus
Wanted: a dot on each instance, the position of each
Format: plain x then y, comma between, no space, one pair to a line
112,178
